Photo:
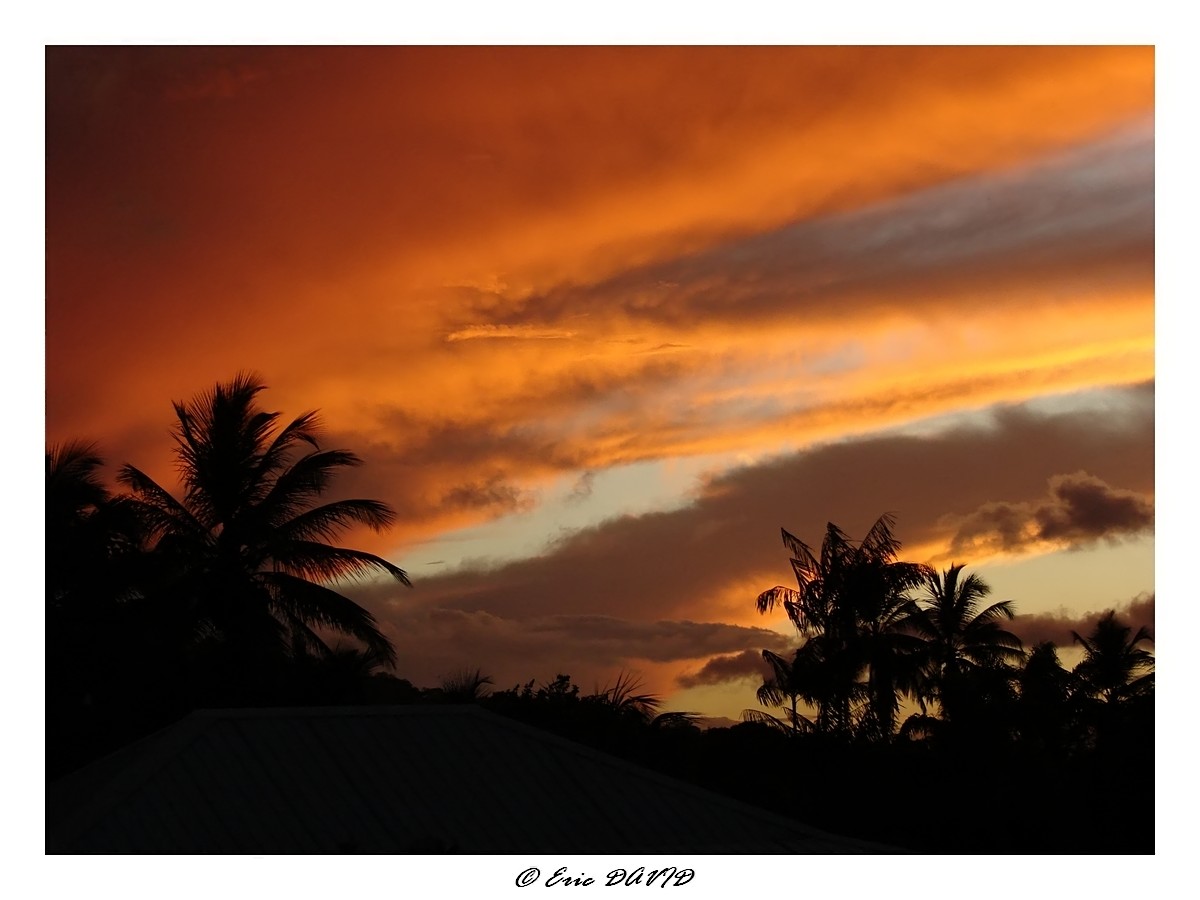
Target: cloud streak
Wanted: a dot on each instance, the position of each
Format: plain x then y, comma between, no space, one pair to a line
748,665
1058,628
432,642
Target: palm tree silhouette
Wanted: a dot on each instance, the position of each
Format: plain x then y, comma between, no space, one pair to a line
466,686
1114,668
1049,703
88,531
790,683
625,699
247,550
852,606
1116,687
963,639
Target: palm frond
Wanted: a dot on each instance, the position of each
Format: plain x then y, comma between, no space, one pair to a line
327,522
623,695
302,600
305,641
305,428
219,437
297,487
1002,610
761,718
880,543
73,477
769,693
160,511
467,685
777,595
314,560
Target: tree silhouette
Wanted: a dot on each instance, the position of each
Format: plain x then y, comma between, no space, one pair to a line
75,537
1114,668
89,533
965,645
1048,706
466,686
790,682
852,607
1116,687
247,551
623,699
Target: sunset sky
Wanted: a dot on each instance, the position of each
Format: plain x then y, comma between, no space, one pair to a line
600,320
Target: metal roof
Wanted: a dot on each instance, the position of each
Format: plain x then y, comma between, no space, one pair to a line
392,780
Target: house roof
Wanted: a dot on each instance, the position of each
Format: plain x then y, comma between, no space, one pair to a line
395,779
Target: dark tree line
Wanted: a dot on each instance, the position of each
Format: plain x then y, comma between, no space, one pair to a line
876,632
1003,749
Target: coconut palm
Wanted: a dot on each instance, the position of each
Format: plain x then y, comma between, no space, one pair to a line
851,602
625,698
1049,707
96,654
789,684
89,533
466,686
1114,667
966,646
1116,687
894,659
247,549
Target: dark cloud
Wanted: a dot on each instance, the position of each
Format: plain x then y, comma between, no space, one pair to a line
704,561
1079,510
494,494
427,469
1083,215
748,665
1086,509
582,488
431,642
1035,629
431,462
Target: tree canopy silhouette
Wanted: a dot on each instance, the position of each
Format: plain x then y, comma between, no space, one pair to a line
964,641
89,533
1114,667
247,549
852,608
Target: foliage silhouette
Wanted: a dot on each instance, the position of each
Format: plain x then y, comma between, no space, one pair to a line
623,699
1049,707
1115,684
852,608
1114,668
90,535
247,550
790,682
965,646
93,549
466,686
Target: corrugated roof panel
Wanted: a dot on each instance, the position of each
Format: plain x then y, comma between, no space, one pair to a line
397,779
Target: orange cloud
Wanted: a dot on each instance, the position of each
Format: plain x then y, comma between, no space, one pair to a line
304,222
